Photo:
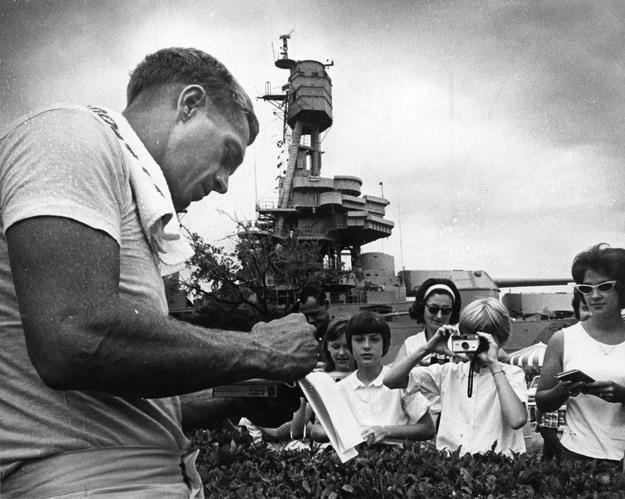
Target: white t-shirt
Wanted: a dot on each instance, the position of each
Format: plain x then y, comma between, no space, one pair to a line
415,341
418,340
474,423
411,344
377,405
63,162
595,428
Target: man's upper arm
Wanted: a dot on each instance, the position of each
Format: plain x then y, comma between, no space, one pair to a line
63,163
62,192
63,272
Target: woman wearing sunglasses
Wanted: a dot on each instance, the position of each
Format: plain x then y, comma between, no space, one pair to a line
594,410
437,303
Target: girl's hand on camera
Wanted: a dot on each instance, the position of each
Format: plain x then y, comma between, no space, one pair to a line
438,342
490,356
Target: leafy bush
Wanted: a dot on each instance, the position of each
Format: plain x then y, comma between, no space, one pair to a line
232,467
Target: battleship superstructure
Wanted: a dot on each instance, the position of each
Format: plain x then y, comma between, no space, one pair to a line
336,214
332,211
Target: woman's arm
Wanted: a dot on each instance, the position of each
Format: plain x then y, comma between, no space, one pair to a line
301,418
421,430
397,377
280,433
551,393
318,434
514,411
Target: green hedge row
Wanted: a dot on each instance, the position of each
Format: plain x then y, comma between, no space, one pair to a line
232,467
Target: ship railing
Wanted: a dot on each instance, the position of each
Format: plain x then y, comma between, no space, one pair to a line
267,204
390,315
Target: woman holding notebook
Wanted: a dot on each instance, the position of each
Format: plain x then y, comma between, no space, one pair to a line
594,350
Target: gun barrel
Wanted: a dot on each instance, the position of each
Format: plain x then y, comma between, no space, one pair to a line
513,283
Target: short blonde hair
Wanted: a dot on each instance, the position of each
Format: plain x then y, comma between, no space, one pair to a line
487,315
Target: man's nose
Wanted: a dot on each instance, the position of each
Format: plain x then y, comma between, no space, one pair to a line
221,183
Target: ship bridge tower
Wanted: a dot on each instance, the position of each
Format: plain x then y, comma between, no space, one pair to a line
331,211
308,112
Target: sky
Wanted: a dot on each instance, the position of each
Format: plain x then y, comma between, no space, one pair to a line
496,128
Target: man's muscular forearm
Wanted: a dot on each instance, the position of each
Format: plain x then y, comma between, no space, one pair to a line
128,350
83,335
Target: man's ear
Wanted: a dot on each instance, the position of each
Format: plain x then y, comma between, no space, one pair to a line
191,99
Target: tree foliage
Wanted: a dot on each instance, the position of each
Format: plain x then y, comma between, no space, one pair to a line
249,278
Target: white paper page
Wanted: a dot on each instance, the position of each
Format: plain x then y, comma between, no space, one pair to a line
333,412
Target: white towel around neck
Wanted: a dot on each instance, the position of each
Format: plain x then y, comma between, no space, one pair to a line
154,204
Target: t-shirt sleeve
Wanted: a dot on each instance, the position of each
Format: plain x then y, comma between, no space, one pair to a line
415,405
62,163
425,379
516,378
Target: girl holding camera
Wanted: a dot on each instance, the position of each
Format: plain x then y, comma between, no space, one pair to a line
482,408
437,303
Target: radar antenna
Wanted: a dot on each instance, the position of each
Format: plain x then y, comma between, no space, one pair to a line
284,51
284,62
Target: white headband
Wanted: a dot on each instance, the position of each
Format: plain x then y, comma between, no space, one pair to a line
440,287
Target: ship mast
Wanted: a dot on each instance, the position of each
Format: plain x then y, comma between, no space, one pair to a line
329,211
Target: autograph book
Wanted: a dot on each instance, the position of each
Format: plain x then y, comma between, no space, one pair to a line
574,375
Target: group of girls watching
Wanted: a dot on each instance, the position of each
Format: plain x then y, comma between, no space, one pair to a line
482,400
396,403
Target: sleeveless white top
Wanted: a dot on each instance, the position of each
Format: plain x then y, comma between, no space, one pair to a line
595,428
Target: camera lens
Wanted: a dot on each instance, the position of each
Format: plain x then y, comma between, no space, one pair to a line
465,345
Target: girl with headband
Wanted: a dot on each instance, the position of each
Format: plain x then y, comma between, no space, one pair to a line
437,303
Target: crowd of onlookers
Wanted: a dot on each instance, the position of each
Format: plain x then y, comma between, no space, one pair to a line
469,397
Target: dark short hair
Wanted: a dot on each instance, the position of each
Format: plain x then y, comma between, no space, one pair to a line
191,66
312,289
368,323
417,308
605,260
335,329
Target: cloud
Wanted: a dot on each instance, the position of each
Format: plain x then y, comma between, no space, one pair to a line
496,127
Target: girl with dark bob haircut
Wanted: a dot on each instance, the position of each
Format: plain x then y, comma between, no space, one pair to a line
368,323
